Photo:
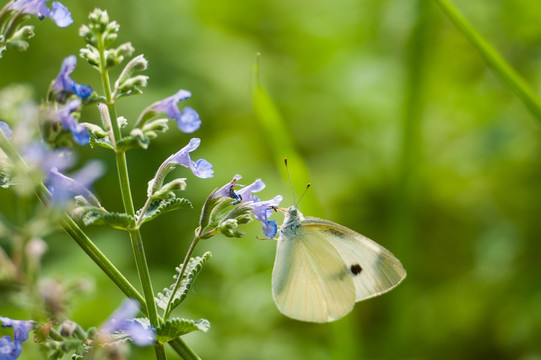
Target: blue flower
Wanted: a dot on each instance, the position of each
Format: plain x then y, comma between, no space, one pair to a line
38,155
80,133
188,121
246,193
228,190
122,321
200,168
10,349
63,188
65,84
262,211
59,14
5,129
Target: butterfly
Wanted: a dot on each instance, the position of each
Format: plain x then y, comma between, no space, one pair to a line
322,269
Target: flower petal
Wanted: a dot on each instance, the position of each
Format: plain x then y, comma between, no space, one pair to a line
65,84
262,211
61,15
228,190
80,133
122,320
64,188
182,157
189,120
201,168
169,104
246,192
20,328
9,350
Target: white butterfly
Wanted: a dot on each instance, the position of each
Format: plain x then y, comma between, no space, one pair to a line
322,269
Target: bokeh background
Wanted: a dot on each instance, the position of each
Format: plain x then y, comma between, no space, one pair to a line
404,132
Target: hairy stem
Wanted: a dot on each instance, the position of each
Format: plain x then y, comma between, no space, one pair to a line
124,181
181,274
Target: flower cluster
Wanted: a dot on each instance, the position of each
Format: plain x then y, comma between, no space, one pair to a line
44,165
262,210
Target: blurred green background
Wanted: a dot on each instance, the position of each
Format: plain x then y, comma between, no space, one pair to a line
407,138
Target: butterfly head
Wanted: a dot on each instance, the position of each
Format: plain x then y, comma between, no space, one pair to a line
293,211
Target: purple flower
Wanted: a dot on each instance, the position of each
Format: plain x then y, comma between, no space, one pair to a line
228,190
38,155
122,321
188,121
65,84
5,129
243,195
11,349
59,14
79,132
246,192
200,168
262,211
63,188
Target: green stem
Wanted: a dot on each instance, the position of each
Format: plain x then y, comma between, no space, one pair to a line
183,350
92,250
181,274
135,235
501,67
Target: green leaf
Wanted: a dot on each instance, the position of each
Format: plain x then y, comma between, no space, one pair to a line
158,207
100,217
192,269
103,142
136,140
173,328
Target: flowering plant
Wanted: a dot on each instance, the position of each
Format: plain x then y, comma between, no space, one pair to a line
38,147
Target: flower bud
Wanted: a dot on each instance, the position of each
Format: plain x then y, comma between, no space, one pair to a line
99,20
67,328
88,35
125,49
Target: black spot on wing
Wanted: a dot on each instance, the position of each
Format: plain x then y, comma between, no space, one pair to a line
356,269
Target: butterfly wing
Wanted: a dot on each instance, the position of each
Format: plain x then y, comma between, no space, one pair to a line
310,281
373,269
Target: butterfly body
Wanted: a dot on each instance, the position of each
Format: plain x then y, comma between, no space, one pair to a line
322,268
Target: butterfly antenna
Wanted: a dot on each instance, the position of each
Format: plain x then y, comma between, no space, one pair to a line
304,192
290,182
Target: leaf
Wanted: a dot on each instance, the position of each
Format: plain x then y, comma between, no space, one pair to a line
136,140
100,217
103,142
173,328
158,207
192,269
